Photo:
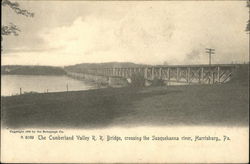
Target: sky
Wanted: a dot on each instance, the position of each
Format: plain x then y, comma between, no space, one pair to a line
171,32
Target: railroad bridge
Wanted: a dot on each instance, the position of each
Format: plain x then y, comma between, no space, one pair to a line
189,74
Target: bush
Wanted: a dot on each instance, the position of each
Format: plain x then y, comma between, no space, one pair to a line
137,80
158,82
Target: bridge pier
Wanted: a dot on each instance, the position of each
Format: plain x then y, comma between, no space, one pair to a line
202,75
152,73
160,73
177,74
146,73
169,74
218,74
188,75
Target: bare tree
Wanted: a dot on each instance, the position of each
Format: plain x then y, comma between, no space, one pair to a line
11,28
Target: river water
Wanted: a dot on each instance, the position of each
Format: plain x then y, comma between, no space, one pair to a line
11,84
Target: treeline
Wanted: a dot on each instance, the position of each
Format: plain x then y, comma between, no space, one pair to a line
31,70
50,70
84,66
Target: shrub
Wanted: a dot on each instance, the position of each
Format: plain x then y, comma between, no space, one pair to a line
137,80
158,82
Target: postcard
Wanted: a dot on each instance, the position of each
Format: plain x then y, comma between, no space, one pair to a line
124,81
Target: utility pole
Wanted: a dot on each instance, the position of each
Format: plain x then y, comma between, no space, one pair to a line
210,51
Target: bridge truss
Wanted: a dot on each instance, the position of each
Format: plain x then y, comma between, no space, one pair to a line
191,74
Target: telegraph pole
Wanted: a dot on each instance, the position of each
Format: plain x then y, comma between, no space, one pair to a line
210,51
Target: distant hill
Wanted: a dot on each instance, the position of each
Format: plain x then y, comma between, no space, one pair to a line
31,70
84,66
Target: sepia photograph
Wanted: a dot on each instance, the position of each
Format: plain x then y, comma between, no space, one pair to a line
149,81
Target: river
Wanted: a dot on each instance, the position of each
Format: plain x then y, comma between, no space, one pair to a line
11,84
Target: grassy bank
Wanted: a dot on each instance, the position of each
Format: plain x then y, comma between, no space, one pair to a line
225,105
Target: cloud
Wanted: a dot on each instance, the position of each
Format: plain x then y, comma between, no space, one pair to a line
143,33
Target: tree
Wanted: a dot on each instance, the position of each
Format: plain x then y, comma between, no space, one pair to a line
12,28
248,23
137,80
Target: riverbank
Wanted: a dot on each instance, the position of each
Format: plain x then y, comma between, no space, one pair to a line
222,105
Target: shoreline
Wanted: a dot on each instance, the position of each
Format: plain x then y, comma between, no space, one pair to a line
203,105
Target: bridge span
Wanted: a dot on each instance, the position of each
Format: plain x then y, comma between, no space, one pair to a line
189,74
